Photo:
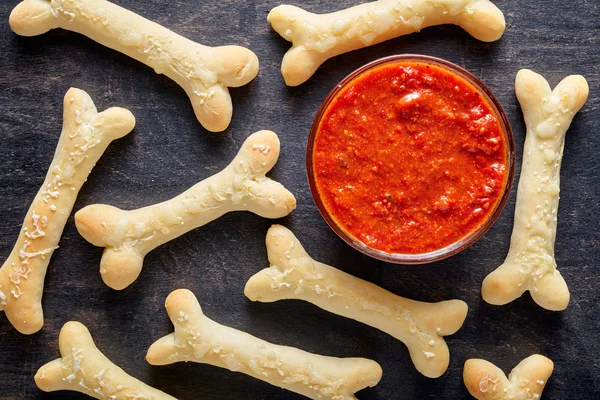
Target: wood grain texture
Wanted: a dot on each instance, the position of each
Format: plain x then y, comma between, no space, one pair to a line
169,151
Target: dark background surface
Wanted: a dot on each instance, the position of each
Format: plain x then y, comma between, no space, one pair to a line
169,151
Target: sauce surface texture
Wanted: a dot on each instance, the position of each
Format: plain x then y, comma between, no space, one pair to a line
409,158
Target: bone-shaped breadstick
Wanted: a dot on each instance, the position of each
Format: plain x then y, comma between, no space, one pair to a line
85,135
318,37
530,263
203,72
199,339
527,380
129,235
295,275
83,368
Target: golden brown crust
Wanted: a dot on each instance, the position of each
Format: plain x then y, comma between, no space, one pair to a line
83,368
242,186
318,37
199,339
85,136
530,264
203,72
293,274
526,381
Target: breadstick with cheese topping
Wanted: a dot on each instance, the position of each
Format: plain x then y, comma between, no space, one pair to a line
242,186
527,380
85,136
203,72
199,339
83,368
317,37
293,274
530,263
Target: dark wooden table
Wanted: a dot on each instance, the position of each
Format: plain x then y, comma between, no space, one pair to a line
169,151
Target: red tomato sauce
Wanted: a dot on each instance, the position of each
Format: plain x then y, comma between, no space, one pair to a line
409,158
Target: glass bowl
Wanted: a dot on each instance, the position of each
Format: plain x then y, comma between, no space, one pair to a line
469,238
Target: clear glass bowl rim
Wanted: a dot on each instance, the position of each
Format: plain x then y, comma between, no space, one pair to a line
467,240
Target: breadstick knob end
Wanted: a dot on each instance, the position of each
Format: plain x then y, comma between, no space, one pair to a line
484,21
95,222
27,320
115,121
503,285
299,64
47,376
163,351
283,17
120,267
552,292
481,378
237,65
32,18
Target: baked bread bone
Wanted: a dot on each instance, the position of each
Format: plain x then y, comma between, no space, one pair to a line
203,72
295,275
527,380
530,263
242,186
84,138
318,37
199,339
83,368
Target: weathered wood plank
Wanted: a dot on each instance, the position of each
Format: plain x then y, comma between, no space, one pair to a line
169,151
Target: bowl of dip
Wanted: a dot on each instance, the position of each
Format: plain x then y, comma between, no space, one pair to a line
410,159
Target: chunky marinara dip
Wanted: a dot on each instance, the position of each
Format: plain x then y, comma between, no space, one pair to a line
409,157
